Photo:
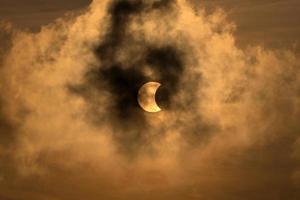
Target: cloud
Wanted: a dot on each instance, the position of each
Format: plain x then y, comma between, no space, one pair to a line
72,128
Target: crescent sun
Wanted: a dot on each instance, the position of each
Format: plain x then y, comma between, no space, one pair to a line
146,97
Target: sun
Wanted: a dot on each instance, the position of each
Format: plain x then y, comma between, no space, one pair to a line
146,97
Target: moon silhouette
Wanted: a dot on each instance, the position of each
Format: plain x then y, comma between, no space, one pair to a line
146,97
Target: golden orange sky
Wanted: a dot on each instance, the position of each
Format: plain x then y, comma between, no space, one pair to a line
270,22
71,126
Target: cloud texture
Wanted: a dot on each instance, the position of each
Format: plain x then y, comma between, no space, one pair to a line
70,126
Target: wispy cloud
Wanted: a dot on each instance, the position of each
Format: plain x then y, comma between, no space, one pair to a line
69,128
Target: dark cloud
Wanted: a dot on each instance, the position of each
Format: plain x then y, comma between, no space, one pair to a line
123,79
6,129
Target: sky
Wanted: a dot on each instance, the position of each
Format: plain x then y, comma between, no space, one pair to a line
71,126
274,23
270,22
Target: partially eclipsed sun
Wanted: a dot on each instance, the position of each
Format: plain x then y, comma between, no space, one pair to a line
146,97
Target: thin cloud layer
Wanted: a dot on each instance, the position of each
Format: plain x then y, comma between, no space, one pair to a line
71,128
